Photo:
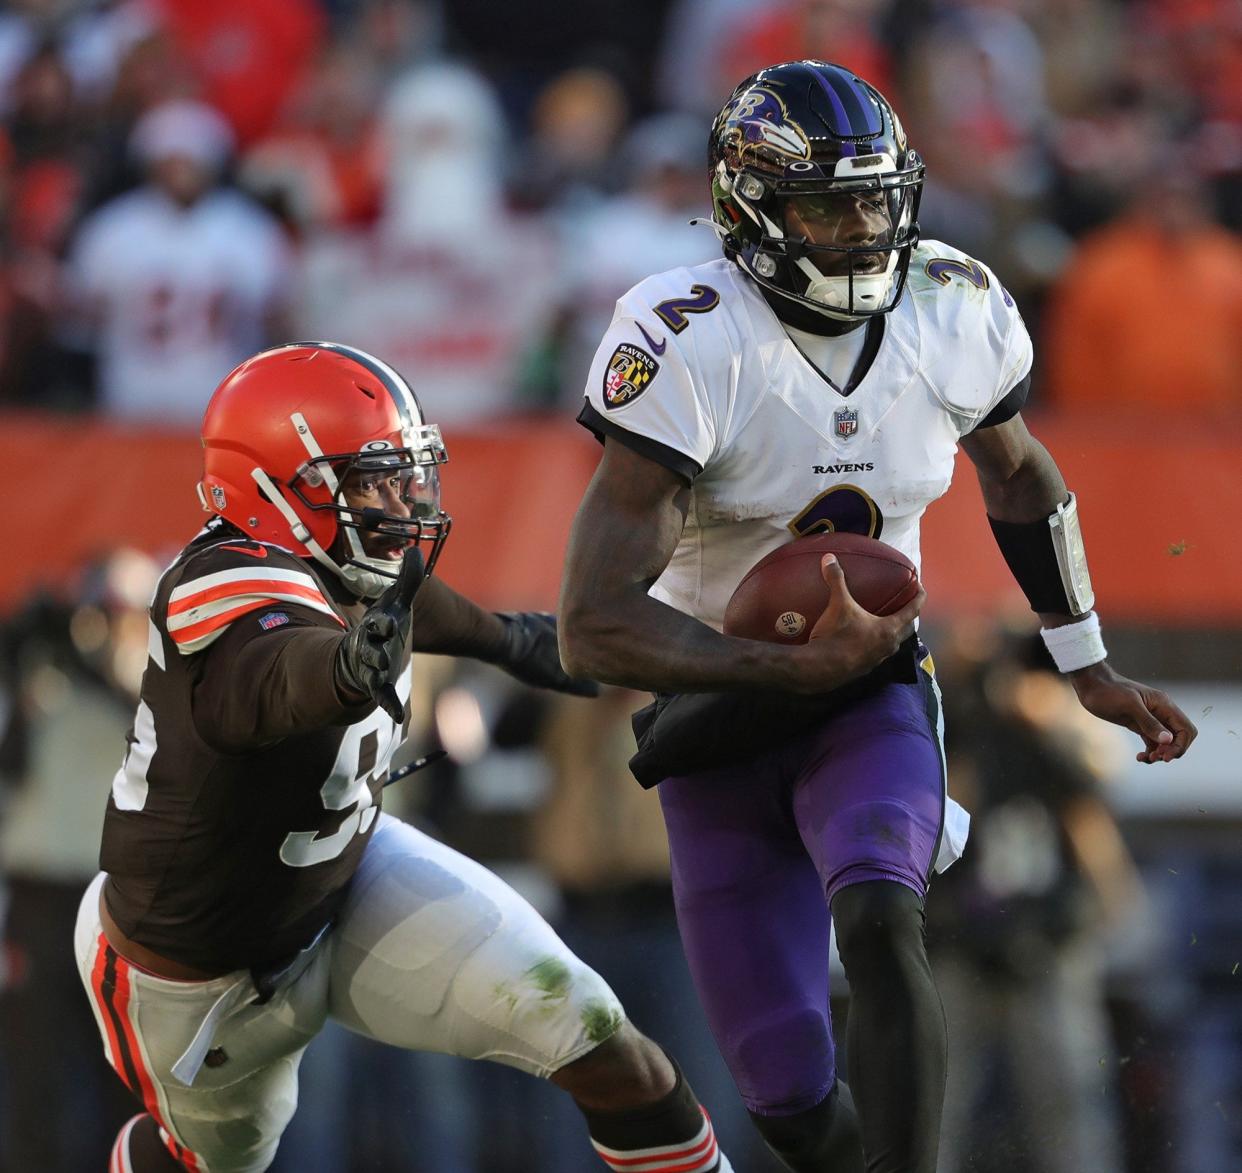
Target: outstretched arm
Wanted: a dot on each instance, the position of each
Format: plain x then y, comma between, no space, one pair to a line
523,643
1021,484
612,630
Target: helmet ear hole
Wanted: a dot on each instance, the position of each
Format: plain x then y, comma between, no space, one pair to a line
264,494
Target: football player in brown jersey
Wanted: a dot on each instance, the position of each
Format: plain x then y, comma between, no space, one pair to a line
251,885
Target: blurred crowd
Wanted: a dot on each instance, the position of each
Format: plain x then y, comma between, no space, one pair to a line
452,188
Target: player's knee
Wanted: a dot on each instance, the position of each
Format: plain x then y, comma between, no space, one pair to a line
626,1070
825,1136
551,997
879,923
785,1059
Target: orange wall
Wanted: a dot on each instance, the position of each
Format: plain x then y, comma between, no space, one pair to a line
1146,488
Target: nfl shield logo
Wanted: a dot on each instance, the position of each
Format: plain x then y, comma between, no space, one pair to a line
845,422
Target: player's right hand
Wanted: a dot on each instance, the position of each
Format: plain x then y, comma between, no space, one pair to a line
848,641
371,656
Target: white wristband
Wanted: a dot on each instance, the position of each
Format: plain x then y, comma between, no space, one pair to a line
1076,645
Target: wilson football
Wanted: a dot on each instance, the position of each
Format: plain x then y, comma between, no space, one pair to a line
784,593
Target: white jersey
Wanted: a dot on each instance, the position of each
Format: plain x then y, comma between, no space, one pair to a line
181,296
697,371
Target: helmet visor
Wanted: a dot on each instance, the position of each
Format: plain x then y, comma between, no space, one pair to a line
386,499
873,220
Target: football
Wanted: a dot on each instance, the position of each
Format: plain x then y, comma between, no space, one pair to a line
784,593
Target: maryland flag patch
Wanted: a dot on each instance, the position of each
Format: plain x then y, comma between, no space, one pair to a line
629,371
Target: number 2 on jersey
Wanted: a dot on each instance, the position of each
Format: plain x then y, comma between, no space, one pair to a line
940,269
702,299
843,509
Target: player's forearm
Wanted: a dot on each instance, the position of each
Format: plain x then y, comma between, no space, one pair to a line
447,623
1022,488
1028,490
1029,496
639,642
272,688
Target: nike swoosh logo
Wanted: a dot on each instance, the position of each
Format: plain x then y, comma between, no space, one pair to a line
658,347
258,552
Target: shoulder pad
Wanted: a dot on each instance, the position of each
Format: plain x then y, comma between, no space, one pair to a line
975,344
225,580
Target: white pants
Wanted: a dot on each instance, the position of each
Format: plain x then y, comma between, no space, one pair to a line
431,952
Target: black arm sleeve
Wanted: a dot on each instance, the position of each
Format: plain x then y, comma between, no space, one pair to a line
670,458
1031,556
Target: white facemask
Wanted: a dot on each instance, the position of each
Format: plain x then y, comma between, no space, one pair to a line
870,289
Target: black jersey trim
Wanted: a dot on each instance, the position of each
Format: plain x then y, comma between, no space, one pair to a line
866,357
684,466
1008,407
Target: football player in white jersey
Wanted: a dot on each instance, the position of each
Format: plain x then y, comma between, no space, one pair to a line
820,376
251,884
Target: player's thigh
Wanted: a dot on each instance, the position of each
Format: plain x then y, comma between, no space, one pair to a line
754,924
216,1070
434,952
870,798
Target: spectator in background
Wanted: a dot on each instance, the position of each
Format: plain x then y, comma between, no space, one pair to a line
71,671
687,73
92,38
1082,46
449,282
976,102
845,31
1149,311
609,245
322,166
48,153
246,57
179,279
1018,946
319,168
576,127
1193,52
149,73
395,35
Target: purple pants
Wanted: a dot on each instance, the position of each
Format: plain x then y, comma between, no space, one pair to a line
758,852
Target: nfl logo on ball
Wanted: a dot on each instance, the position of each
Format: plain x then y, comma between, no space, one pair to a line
790,623
845,421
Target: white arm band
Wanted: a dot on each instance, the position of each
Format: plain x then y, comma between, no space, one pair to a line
1076,645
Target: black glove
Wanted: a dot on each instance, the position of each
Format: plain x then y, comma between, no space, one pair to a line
372,655
530,654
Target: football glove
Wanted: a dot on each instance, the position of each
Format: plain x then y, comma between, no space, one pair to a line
372,655
530,654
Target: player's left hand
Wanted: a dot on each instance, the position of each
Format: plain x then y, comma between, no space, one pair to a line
1166,731
530,653
371,656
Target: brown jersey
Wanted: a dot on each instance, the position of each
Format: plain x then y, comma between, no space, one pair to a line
250,786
